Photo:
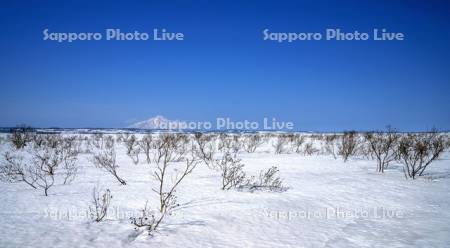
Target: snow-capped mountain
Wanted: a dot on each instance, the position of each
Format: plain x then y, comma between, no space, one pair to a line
157,122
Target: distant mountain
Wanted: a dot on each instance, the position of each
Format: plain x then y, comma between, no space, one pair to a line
157,122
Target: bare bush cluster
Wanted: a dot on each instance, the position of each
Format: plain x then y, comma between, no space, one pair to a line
206,147
40,165
146,145
233,175
417,151
281,144
148,219
230,143
330,145
132,146
100,141
106,160
251,142
297,142
100,204
21,135
231,170
169,149
267,180
348,144
383,146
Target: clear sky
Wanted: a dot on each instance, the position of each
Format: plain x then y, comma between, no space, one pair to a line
224,68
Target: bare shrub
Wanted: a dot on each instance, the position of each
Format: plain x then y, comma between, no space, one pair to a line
48,160
205,148
383,145
446,138
348,144
222,139
166,152
230,143
417,151
267,180
231,170
182,147
131,143
281,144
100,141
97,140
147,220
146,144
330,145
106,160
309,149
134,155
70,152
20,136
15,170
100,204
120,137
252,142
168,149
298,142
108,142
56,156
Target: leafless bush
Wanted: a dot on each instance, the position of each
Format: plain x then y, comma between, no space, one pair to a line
206,148
252,142
134,155
267,180
183,147
120,137
447,141
318,137
330,145
348,144
168,149
97,140
309,149
83,144
383,145
230,143
131,144
222,139
146,144
106,160
417,151
100,204
70,152
100,141
231,170
147,220
281,144
56,156
14,169
108,142
365,150
166,152
298,142
20,136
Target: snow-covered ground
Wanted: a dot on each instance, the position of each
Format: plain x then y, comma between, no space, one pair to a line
329,203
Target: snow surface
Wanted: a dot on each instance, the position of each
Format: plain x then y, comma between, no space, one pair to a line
352,194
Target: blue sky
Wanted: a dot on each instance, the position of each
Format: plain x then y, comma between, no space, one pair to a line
224,68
